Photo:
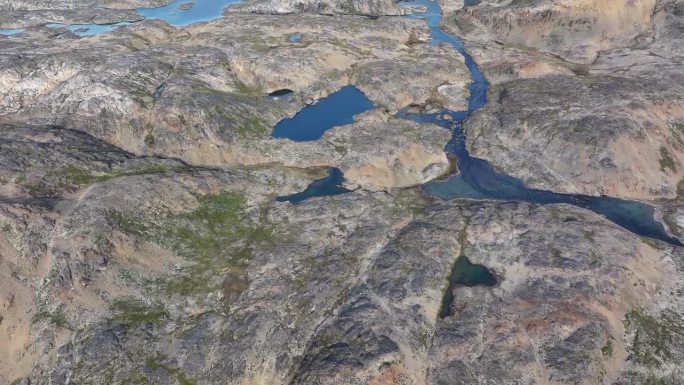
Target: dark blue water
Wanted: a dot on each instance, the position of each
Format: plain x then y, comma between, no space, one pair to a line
476,178
464,273
312,121
328,186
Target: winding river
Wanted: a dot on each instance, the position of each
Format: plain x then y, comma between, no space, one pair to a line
476,179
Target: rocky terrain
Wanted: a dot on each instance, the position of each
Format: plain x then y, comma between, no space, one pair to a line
23,13
141,240
584,99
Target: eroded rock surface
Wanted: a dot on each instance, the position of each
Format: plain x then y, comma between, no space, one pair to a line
199,94
141,240
572,116
23,14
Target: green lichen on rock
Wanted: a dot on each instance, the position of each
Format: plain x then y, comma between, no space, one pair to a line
217,239
666,160
133,311
654,337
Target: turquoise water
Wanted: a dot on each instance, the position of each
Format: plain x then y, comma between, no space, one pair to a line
89,29
202,10
335,110
10,32
464,273
476,178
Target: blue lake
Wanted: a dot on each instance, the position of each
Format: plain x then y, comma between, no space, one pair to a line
335,110
328,186
202,10
476,178
464,273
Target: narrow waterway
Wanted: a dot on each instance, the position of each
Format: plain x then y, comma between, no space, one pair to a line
476,179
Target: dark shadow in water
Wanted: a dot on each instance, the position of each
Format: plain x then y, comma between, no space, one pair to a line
464,273
280,93
335,110
328,186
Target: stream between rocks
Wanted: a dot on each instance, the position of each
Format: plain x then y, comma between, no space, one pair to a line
475,179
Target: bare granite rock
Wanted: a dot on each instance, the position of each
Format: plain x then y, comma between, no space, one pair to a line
609,124
323,7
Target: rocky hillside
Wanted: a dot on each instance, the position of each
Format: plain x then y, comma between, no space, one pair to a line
144,238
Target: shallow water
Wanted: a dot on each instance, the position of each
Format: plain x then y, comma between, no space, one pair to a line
295,37
478,180
10,32
335,110
202,10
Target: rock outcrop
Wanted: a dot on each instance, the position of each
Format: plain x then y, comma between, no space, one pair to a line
608,123
142,239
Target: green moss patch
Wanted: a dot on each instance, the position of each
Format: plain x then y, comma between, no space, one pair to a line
133,311
654,337
217,240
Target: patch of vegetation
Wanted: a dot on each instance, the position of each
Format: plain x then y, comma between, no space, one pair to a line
133,311
654,337
149,140
252,127
246,128
34,189
408,201
72,175
607,349
155,363
653,243
128,224
217,240
56,318
463,237
216,237
666,160
595,257
247,91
